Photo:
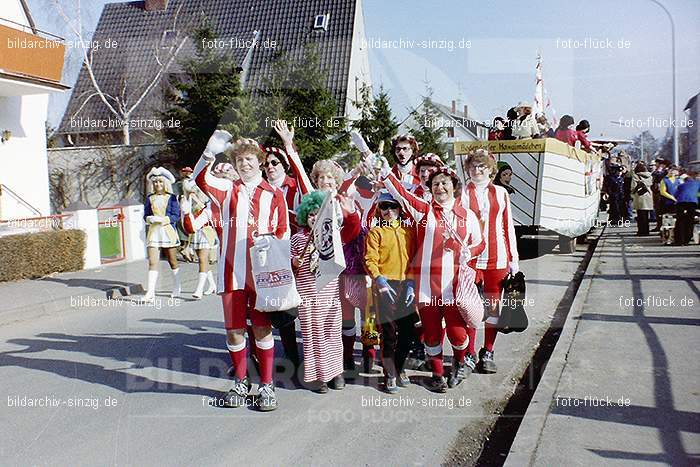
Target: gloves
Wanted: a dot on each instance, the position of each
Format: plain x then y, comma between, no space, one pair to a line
410,292
218,142
359,142
513,267
465,256
157,220
151,219
385,288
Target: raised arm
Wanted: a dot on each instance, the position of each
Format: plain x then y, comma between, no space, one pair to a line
214,187
413,205
286,134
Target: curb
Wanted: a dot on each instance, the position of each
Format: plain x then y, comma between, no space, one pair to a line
524,447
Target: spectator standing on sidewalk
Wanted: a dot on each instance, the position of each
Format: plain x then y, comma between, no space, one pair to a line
657,177
667,190
389,250
614,191
686,204
642,199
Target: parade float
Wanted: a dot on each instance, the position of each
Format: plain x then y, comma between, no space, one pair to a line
557,187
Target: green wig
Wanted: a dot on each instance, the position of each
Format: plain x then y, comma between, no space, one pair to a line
309,203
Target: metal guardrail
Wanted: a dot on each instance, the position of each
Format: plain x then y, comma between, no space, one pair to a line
30,30
18,198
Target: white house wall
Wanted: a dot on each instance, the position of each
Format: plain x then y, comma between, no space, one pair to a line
12,10
23,158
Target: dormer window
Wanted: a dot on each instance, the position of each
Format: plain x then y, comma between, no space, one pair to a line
321,22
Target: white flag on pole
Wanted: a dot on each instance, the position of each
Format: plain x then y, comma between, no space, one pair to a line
326,232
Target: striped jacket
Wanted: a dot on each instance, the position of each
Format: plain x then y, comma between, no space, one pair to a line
435,266
240,212
501,246
408,179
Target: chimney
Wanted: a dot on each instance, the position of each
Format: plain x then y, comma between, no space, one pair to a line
155,5
465,111
454,106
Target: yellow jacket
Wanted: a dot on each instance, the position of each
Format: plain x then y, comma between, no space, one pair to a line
389,249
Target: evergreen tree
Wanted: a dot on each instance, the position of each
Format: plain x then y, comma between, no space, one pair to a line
427,128
376,123
297,92
206,96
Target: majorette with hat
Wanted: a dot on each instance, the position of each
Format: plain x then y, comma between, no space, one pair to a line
447,233
390,248
248,210
491,204
161,213
197,222
425,164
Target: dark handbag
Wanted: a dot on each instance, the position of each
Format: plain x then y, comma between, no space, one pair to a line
641,189
513,317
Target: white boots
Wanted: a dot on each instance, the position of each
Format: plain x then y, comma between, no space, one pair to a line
207,277
151,288
153,278
177,289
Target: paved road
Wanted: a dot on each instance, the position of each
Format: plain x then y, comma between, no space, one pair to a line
622,385
132,385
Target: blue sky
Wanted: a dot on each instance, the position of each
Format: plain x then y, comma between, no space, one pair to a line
632,82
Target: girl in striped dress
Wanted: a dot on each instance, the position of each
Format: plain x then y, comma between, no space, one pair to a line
161,213
320,313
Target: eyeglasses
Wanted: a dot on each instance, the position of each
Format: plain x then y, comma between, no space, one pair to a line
273,163
479,168
385,206
401,148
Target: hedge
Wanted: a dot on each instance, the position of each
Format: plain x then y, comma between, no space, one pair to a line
32,255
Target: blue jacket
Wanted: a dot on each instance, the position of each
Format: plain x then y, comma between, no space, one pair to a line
172,211
687,192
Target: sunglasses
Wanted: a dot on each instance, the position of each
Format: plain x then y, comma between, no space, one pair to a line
272,163
385,206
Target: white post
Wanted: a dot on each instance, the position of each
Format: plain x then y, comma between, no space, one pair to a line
84,217
134,231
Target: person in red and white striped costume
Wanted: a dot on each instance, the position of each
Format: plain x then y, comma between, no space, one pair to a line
248,209
425,164
436,264
491,203
405,149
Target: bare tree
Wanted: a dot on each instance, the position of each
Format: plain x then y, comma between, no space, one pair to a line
124,104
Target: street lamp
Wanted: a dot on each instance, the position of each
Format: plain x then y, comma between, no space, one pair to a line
673,71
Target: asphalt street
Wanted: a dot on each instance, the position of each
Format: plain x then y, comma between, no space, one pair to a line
117,383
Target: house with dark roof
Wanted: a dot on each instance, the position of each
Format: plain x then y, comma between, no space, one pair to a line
133,40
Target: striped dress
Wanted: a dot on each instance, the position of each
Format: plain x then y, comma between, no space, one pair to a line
321,320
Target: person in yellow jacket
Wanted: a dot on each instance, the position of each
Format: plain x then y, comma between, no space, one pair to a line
389,250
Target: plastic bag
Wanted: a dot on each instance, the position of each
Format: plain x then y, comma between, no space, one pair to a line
275,287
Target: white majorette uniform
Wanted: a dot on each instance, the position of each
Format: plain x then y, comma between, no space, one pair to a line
435,266
161,211
240,211
492,205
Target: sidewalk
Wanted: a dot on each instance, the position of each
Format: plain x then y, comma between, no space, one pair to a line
621,387
28,299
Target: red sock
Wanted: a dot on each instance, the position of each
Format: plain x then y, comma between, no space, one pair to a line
458,354
471,336
266,359
436,362
490,334
251,338
240,364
